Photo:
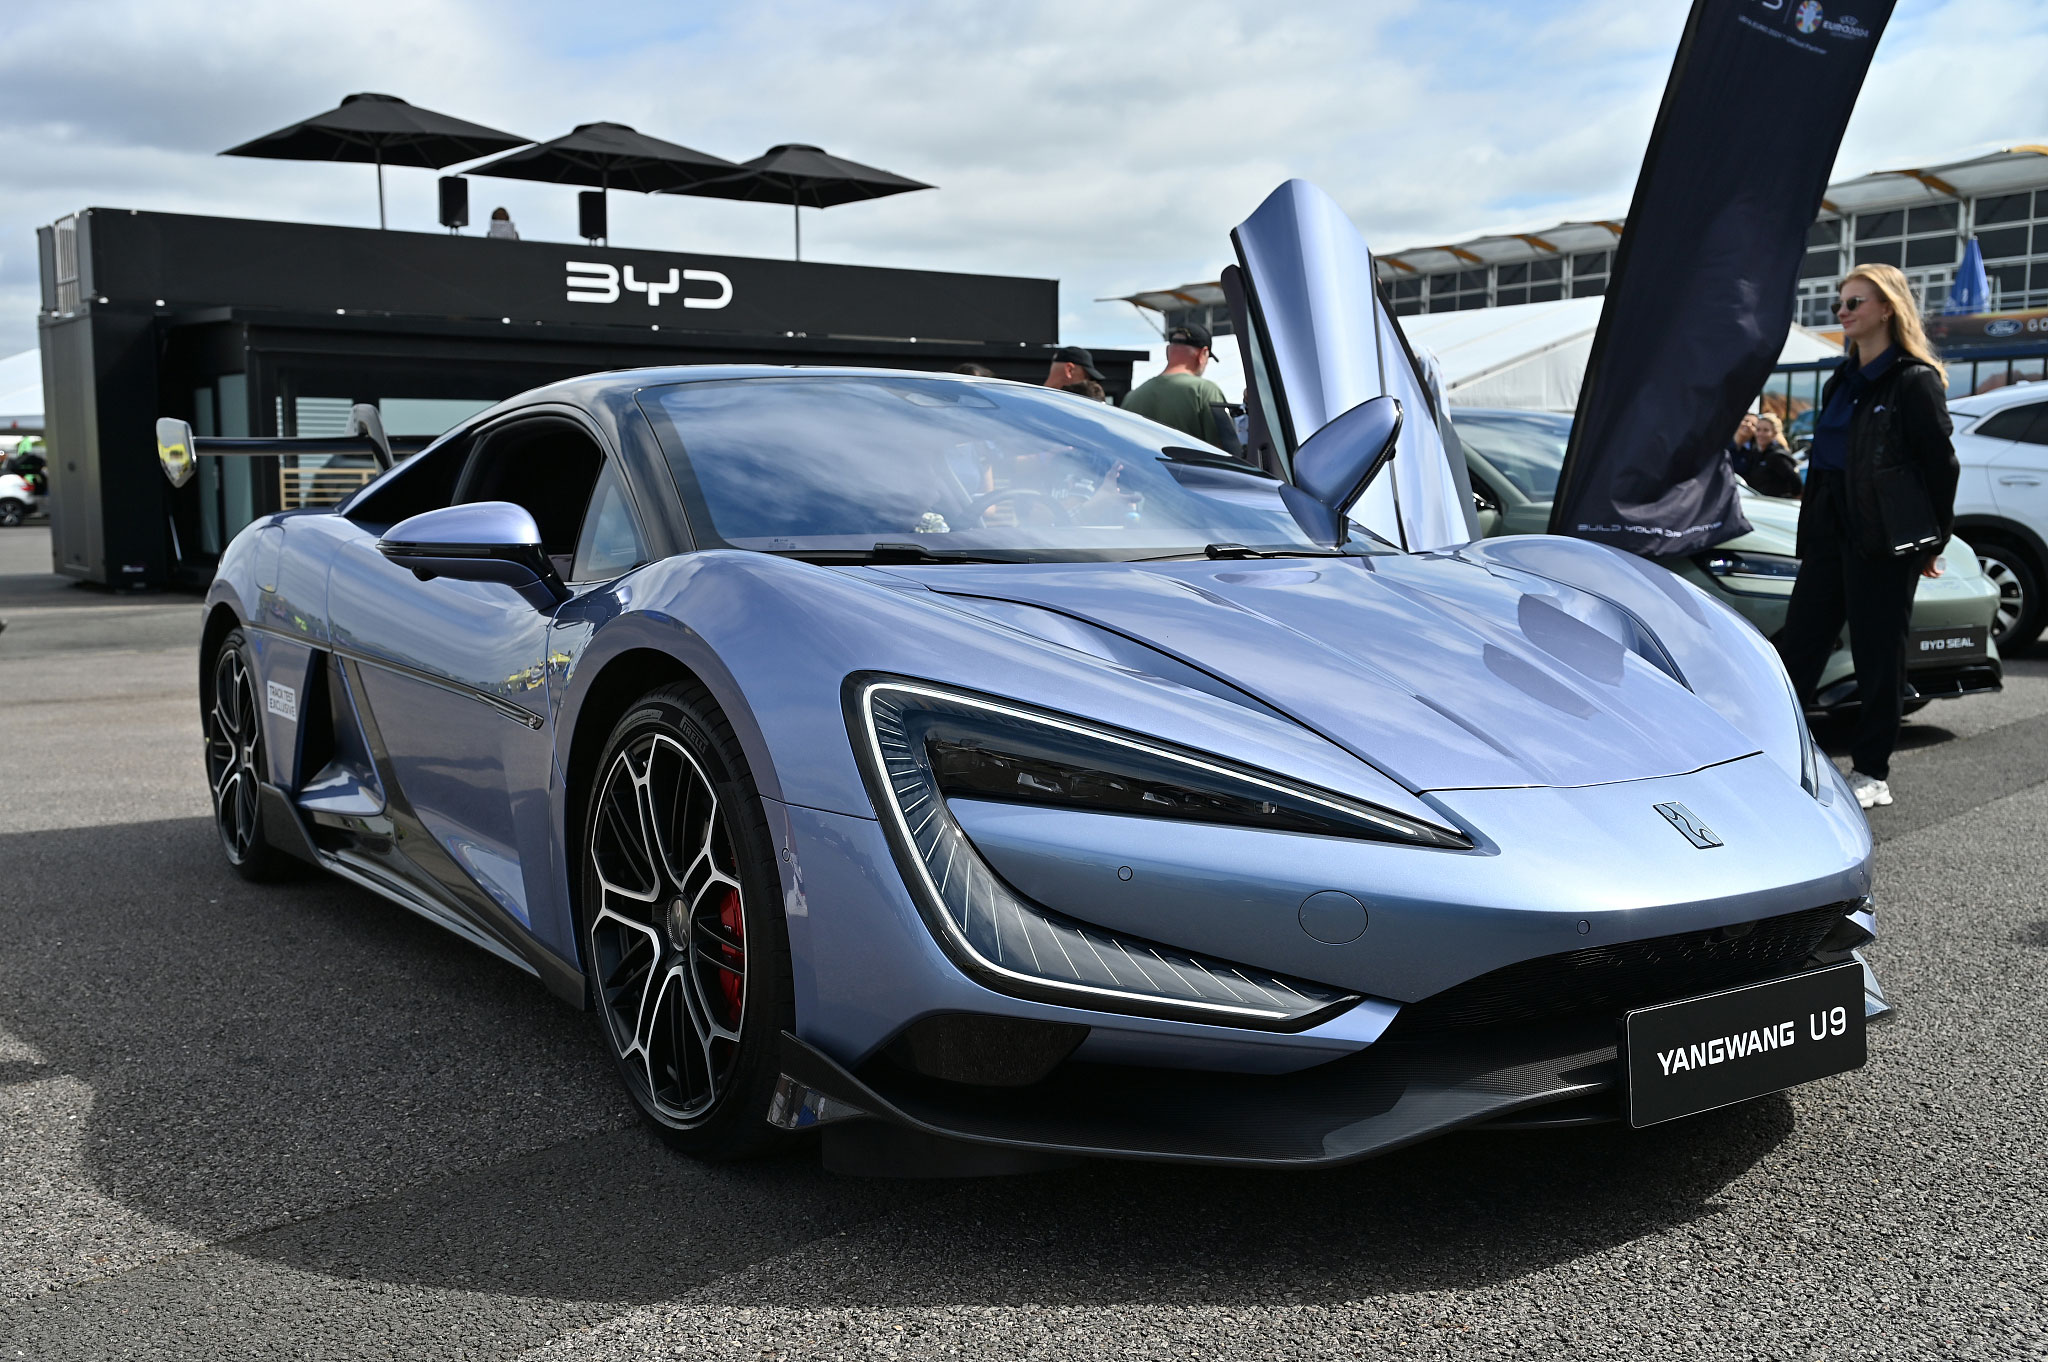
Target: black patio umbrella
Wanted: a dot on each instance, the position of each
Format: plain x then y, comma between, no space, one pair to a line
804,177
610,156
384,129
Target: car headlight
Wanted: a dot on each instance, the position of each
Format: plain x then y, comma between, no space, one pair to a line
1810,755
1750,574
921,744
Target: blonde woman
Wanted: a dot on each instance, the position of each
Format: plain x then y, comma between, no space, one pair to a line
1879,505
1769,466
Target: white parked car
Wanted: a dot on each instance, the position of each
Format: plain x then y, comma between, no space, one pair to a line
2001,440
21,488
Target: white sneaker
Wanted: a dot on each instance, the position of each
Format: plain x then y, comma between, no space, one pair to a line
1869,790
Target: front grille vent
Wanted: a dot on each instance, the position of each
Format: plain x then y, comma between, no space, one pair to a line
1610,980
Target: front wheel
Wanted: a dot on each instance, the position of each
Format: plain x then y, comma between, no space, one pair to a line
684,939
235,767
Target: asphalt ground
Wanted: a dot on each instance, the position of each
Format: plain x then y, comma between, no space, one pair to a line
296,1122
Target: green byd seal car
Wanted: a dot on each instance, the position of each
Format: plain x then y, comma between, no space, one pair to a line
1514,458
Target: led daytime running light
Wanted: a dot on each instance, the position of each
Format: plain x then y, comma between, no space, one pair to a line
1021,947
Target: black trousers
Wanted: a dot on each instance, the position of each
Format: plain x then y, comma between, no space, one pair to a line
1874,596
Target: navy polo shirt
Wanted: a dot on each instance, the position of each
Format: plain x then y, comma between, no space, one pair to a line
1830,449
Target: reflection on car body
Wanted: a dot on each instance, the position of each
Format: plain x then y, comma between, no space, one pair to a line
979,775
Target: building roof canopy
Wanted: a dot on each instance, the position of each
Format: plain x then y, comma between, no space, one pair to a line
2017,167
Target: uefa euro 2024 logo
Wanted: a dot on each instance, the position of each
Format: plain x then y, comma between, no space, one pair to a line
1807,16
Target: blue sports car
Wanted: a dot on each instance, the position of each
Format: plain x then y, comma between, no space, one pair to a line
983,775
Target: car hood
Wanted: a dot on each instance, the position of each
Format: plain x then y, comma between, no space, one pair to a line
1773,527
1443,673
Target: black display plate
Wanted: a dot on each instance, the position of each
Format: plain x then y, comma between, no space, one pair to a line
1682,1056
1932,647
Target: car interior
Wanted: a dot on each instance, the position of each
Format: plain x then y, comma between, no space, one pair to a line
547,465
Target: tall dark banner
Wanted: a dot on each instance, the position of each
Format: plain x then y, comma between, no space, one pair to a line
1701,294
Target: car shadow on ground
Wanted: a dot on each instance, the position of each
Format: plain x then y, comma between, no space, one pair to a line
335,1086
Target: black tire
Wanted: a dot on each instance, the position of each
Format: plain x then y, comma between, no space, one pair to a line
676,854
233,724
2017,575
12,512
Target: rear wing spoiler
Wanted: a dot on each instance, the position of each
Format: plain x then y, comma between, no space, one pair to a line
177,448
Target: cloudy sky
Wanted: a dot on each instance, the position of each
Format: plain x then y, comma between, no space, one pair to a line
1111,146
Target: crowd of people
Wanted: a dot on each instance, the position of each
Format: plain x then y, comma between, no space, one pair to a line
1179,396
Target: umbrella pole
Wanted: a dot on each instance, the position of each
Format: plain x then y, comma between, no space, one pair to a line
380,189
796,217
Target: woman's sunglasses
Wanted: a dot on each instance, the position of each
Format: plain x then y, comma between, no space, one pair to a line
1850,304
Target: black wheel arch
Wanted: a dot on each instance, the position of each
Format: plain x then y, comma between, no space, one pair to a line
611,693
220,622
1972,527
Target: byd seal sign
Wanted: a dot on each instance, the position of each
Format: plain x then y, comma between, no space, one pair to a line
593,281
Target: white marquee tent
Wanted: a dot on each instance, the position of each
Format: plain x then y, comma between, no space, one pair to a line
21,393
1530,356
1534,355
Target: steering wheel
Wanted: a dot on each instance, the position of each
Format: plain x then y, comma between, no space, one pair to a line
1056,514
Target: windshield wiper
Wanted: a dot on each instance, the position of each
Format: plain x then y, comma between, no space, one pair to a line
885,553
1284,551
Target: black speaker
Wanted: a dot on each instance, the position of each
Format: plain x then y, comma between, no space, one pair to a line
590,216
454,202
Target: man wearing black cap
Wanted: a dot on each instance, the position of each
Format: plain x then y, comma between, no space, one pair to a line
1180,397
1071,367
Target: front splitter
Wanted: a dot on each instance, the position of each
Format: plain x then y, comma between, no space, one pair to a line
1387,1096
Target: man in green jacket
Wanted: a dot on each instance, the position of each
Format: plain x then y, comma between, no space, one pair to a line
1180,397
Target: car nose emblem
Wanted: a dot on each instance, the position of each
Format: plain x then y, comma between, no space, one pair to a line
1696,832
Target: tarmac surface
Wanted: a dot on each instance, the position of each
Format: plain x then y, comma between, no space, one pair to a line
296,1122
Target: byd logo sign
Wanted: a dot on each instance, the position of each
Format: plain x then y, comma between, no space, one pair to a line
593,281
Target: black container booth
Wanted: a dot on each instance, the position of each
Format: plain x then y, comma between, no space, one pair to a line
269,329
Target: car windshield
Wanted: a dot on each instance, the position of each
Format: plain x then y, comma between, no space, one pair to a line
942,467
1525,447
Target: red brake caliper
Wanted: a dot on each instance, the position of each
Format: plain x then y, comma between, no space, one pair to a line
732,982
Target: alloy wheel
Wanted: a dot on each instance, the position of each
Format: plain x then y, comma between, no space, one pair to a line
2012,593
668,936
234,750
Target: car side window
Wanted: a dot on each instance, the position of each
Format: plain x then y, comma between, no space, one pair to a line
547,464
2027,423
609,544
425,482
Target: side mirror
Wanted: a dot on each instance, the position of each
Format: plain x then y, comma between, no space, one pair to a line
1334,466
174,449
482,541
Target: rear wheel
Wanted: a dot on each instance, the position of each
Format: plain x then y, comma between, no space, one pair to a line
12,512
233,723
684,940
2018,578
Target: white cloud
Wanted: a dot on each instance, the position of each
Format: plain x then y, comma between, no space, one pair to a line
1111,147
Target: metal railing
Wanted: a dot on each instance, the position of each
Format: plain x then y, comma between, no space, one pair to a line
299,487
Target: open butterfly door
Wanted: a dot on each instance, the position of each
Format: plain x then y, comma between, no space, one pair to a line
1318,340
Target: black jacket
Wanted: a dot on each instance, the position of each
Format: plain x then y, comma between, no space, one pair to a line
1901,418
1772,471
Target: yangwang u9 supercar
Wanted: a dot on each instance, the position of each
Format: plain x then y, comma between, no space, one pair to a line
986,777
